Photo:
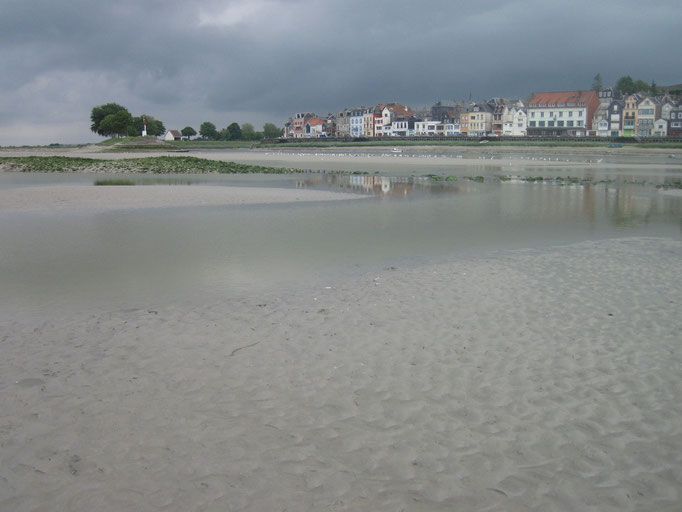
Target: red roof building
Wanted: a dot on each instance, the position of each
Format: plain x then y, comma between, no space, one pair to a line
565,113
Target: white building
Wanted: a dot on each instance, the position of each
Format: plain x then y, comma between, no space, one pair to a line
660,128
515,120
451,129
315,128
356,122
173,135
428,128
562,113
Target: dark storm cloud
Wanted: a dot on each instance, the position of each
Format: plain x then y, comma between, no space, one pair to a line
260,60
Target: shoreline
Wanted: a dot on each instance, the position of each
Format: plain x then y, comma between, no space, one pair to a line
412,159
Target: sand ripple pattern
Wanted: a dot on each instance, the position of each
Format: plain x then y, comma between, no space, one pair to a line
528,380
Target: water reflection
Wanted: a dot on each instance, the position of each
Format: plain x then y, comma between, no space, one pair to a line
141,255
623,201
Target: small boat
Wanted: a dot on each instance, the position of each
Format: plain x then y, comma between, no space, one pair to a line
615,145
396,150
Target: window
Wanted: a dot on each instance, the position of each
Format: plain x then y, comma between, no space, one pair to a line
542,114
580,113
532,124
532,115
570,114
569,123
541,124
580,123
560,123
550,123
561,113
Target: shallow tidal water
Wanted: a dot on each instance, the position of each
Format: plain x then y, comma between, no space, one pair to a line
138,257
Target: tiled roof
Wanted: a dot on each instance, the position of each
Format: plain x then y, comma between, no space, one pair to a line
554,98
316,121
399,110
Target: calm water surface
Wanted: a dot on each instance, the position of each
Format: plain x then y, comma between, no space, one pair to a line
142,257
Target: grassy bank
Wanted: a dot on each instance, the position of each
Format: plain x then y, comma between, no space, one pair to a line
157,165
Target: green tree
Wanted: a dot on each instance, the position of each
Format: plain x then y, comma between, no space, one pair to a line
248,132
208,131
653,88
597,83
625,85
270,131
100,112
235,131
154,126
641,86
116,125
188,132
224,134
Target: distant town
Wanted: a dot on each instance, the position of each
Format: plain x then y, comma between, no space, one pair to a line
587,113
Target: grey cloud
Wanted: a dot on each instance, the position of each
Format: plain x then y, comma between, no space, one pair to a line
266,58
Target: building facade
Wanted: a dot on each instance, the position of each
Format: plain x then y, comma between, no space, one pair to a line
675,124
515,122
660,128
477,120
343,123
566,113
648,110
630,115
615,117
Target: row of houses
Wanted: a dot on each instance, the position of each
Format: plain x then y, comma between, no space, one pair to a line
565,113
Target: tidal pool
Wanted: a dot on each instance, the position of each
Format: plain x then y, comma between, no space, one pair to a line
141,257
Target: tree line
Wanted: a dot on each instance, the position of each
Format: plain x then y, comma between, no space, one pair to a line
114,120
627,85
234,131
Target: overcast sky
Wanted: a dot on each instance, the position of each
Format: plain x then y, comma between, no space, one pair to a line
185,62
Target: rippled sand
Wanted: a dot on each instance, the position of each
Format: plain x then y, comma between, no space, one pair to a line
527,380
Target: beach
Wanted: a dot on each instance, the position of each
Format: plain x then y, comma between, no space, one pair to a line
528,380
543,378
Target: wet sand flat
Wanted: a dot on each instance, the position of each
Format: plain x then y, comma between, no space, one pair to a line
523,380
78,197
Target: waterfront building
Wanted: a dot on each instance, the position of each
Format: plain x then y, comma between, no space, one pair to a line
660,128
315,128
630,114
331,125
515,122
600,120
675,124
477,121
295,127
667,106
368,118
428,128
566,113
343,123
356,121
648,110
400,127
451,129
389,113
615,117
